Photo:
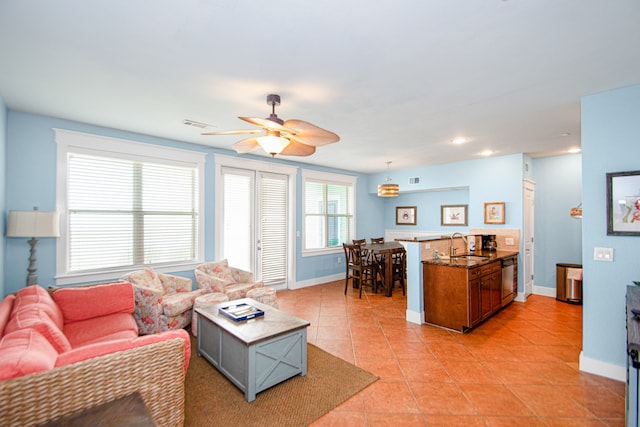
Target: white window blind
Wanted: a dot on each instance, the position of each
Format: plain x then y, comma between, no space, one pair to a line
328,212
123,211
273,226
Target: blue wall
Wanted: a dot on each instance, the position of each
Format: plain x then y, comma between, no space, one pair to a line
3,184
558,237
428,209
610,133
494,179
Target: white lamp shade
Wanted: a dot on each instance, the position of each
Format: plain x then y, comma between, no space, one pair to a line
273,144
33,224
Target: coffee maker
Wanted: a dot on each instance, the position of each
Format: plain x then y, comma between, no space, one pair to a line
489,242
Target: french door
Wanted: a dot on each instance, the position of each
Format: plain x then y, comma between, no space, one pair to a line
254,222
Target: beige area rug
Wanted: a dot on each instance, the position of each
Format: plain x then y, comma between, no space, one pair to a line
212,400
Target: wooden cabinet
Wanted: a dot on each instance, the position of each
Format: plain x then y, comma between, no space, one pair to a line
474,302
490,288
515,276
460,298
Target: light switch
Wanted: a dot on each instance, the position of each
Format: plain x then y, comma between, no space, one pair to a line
603,254
508,241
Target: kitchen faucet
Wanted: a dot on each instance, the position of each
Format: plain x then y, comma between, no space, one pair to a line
452,250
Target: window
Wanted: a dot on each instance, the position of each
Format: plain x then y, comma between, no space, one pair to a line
125,205
328,211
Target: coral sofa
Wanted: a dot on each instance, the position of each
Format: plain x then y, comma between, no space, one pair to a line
78,348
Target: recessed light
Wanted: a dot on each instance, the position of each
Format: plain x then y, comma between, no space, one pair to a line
486,153
565,134
460,140
574,150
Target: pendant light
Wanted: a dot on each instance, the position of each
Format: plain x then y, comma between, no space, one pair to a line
388,189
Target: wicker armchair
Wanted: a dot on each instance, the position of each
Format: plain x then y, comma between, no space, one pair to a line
163,302
155,371
220,277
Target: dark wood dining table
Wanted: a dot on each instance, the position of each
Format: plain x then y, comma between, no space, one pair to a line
386,249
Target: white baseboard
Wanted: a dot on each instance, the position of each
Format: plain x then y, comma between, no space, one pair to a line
316,281
520,297
603,369
545,291
415,317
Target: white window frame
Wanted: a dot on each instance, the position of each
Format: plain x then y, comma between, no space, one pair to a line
328,178
79,142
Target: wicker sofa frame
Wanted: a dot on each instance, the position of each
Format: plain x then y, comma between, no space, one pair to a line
156,371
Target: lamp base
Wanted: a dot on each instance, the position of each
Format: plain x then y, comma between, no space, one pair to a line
32,277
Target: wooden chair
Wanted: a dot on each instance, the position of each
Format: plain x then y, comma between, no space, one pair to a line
379,259
358,269
399,270
365,253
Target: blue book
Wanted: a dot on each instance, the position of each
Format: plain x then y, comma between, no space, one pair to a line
240,312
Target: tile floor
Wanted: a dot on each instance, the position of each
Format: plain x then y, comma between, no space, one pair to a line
518,368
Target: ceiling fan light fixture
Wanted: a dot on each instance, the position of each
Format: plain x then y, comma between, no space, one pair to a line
273,144
388,189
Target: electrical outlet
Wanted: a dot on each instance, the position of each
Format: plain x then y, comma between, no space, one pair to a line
603,254
339,260
427,245
509,241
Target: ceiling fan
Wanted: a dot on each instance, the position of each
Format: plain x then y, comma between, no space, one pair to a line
287,138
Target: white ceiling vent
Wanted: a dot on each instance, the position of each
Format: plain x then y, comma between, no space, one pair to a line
414,180
196,124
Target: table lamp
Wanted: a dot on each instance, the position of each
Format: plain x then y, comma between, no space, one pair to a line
33,224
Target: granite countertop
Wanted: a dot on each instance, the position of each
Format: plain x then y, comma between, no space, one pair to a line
460,261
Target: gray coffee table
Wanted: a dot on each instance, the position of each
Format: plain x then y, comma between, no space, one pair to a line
255,354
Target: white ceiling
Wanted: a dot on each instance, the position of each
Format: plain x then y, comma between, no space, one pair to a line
396,79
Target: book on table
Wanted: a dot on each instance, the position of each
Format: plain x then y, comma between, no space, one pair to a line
240,312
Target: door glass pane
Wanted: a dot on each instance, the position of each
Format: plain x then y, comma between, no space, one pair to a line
238,220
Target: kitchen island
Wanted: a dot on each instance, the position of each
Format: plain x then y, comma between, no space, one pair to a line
461,291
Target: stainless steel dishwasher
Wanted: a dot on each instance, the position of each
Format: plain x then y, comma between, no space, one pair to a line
508,279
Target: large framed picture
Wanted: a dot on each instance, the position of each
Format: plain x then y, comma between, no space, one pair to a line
453,215
494,213
623,203
406,215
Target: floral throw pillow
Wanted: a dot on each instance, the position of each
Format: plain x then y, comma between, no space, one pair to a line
221,270
146,277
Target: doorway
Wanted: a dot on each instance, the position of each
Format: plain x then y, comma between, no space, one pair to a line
529,191
254,218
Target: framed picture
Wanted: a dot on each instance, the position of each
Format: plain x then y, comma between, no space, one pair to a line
453,215
623,203
494,213
406,215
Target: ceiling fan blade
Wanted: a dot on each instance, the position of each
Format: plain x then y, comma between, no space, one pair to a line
296,148
266,123
311,134
246,145
233,132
